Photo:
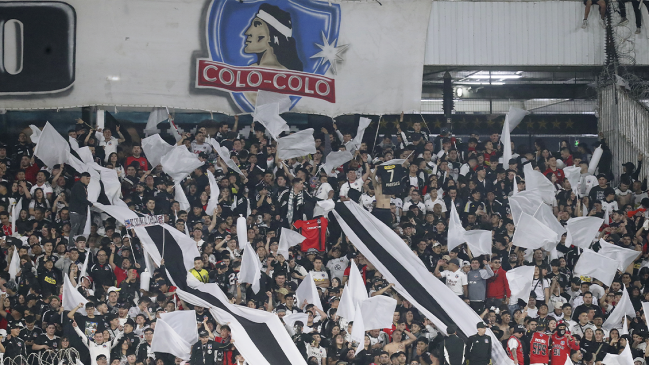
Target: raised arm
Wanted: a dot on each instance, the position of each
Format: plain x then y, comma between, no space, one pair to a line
73,311
84,338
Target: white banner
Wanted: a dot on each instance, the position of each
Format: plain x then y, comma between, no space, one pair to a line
332,58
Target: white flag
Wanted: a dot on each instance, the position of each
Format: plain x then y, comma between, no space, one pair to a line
479,241
287,239
622,309
214,194
52,148
183,323
15,213
526,201
14,266
154,148
268,97
455,230
582,231
625,358
535,180
268,116
308,291
623,256
250,265
225,155
546,216
296,145
363,123
378,312
515,116
181,198
506,139
355,289
36,134
520,282
594,160
645,309
179,163
591,263
157,116
336,159
573,174
72,297
358,330
532,233
290,319
168,341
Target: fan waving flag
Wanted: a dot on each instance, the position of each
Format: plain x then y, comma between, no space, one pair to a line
392,257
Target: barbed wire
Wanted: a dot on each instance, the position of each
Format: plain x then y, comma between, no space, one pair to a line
47,357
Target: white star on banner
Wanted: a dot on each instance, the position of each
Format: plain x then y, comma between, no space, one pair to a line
329,52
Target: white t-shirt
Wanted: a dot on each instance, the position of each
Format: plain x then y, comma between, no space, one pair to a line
319,276
323,191
337,267
512,344
344,189
430,204
47,189
455,280
319,352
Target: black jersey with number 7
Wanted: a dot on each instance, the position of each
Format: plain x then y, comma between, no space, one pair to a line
391,178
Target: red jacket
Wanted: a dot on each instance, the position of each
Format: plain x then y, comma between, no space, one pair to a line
498,286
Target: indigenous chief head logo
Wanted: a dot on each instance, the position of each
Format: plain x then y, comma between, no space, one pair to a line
284,46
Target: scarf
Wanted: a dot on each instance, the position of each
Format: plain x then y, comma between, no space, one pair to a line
291,198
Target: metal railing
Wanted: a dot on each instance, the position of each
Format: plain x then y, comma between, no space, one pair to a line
624,122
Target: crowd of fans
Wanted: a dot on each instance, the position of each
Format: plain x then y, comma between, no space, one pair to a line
117,325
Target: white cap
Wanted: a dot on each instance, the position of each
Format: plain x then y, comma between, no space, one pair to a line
112,289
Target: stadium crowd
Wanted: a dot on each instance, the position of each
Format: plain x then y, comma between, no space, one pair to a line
562,318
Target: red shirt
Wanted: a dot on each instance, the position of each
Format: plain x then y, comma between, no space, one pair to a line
363,272
315,231
7,230
561,347
558,172
144,165
519,351
121,275
540,348
498,286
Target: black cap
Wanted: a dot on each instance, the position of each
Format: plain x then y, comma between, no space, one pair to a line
519,329
481,325
203,333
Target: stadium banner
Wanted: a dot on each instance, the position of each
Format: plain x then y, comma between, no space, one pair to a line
330,57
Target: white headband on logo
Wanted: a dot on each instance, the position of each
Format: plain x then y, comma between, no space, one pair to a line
272,21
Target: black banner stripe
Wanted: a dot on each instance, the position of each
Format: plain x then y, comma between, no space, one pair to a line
259,333
401,273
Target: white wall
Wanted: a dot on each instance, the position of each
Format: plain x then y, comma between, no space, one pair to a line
522,33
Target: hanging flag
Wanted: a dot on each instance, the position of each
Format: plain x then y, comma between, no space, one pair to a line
296,145
287,239
392,257
595,265
624,256
582,231
520,283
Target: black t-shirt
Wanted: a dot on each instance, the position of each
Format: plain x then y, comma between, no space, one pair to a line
89,326
392,177
44,340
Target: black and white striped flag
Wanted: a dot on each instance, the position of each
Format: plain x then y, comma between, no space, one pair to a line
399,265
259,336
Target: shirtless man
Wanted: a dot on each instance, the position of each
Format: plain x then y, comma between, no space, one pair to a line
382,209
397,344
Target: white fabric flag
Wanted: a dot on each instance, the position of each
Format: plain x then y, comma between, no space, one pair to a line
179,163
309,292
546,216
535,180
591,263
181,198
346,305
168,341
479,241
532,233
157,116
623,308
268,97
645,310
87,226
568,361
296,145
268,116
336,159
14,266
155,148
623,256
287,239
54,149
214,194
358,329
526,201
625,358
506,139
36,134
225,155
15,213
363,123
250,265
515,116
520,282
355,289
582,231
594,160
83,271
290,319
183,323
573,174
74,144
378,312
455,230
72,297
